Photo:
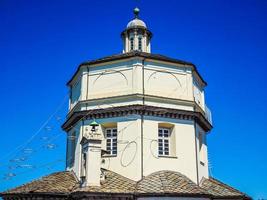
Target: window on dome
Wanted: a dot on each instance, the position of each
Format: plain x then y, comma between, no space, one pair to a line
140,43
111,141
132,43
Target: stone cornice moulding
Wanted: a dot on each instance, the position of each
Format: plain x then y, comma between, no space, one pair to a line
121,111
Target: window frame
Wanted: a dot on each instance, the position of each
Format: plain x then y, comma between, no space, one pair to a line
131,43
201,143
71,143
140,43
164,141
84,161
111,141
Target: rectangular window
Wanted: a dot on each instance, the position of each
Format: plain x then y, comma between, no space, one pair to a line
111,139
164,141
84,162
200,138
71,141
132,43
201,141
140,44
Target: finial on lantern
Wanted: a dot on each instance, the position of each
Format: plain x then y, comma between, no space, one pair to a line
136,12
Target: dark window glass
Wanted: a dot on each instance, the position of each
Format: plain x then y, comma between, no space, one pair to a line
132,43
140,44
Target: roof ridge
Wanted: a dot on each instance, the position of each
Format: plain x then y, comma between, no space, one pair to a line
118,174
162,176
77,180
168,181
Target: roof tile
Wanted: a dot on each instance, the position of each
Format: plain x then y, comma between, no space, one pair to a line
219,189
157,183
60,182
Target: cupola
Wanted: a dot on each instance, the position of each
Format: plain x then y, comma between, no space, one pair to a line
136,36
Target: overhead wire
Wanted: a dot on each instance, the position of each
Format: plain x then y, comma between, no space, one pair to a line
37,132
46,122
34,168
76,154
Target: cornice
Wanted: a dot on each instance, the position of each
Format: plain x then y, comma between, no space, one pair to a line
145,110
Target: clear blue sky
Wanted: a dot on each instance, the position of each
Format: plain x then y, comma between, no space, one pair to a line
42,43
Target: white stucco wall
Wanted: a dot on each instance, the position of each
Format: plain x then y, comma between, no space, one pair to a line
128,77
75,92
198,94
167,80
157,84
202,153
128,160
182,160
77,129
109,80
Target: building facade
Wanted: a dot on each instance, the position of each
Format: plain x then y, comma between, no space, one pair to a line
136,128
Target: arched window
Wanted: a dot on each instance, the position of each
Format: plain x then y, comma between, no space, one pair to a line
132,44
140,43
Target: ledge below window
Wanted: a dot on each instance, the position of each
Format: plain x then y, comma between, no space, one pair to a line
163,156
108,156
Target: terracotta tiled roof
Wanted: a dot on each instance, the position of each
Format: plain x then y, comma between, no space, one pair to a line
168,182
60,182
158,183
219,189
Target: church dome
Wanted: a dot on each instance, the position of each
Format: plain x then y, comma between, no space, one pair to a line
136,22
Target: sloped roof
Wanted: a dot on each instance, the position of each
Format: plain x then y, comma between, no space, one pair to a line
156,184
168,182
60,182
219,189
136,53
113,183
162,182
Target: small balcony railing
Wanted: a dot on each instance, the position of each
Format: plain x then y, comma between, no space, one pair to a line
208,114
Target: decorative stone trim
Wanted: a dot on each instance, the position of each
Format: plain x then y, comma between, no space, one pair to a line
137,110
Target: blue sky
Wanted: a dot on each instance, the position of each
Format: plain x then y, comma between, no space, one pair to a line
43,42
